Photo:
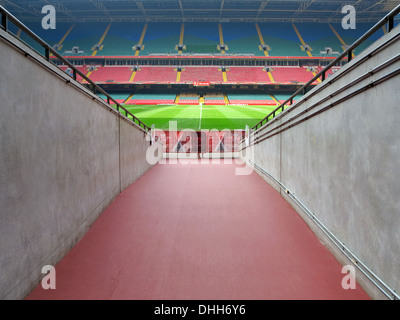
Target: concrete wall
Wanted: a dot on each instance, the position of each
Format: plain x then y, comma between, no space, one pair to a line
343,163
64,157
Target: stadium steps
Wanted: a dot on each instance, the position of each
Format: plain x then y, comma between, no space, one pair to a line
275,99
89,73
60,43
260,36
181,36
226,99
221,37
137,52
271,76
132,77
178,76
100,43
224,76
176,101
344,44
128,99
301,40
314,74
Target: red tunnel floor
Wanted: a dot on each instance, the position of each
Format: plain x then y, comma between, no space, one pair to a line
195,232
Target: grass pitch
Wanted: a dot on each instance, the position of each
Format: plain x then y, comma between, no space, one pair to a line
197,117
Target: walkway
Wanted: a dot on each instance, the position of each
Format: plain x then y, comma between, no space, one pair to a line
199,232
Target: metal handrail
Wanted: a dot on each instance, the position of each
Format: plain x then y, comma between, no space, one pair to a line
388,19
6,16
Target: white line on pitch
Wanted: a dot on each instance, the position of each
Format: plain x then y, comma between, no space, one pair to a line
201,113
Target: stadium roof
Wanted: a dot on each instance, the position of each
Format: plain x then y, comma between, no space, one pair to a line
200,10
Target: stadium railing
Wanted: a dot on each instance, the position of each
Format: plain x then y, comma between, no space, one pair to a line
387,20
7,17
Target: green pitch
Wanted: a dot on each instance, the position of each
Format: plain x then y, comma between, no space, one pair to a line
201,117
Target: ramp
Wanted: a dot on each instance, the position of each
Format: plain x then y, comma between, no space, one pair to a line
211,234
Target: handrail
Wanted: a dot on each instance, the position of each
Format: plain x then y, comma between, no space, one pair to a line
7,16
389,18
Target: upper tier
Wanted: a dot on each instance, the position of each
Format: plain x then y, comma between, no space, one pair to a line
279,39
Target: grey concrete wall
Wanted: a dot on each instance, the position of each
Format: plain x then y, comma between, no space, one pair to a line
343,164
64,157
133,151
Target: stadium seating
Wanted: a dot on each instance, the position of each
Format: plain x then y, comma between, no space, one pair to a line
111,74
188,99
167,74
349,36
251,99
214,99
121,39
241,38
155,74
282,39
52,37
151,98
82,69
292,74
247,74
320,39
283,97
330,71
119,97
84,36
201,38
161,38
211,74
